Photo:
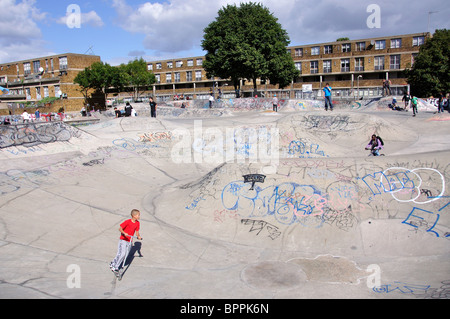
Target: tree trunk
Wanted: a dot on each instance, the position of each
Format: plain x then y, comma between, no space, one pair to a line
255,87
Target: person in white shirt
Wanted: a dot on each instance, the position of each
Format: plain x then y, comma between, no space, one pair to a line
275,103
211,100
26,117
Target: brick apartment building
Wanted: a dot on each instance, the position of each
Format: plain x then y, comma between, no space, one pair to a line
30,81
354,68
353,64
345,65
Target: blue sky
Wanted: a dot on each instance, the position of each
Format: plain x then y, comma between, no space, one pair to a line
120,30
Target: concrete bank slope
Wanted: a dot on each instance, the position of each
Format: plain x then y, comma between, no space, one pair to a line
320,220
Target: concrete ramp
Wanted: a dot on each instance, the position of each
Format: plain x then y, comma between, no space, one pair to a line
339,206
255,204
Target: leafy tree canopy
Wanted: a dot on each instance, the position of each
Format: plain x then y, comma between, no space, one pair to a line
430,74
247,42
136,76
102,77
98,77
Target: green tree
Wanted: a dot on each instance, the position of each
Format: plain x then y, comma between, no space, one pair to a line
83,80
136,76
430,73
247,42
99,77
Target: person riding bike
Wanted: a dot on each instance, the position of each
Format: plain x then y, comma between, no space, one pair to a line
375,145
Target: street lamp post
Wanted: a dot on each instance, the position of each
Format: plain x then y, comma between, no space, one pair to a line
357,80
429,14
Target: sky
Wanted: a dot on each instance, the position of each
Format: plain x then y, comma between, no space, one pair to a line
122,30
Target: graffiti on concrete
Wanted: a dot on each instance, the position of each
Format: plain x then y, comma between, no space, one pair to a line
254,178
35,134
259,226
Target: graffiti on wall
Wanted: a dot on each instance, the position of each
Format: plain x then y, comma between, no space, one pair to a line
35,134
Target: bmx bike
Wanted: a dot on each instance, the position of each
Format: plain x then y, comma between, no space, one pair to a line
373,152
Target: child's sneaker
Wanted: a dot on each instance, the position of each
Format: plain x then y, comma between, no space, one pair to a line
114,270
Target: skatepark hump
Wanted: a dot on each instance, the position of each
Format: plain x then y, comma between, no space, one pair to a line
236,202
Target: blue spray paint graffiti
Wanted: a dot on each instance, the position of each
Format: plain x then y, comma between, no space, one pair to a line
379,182
423,219
300,150
288,203
402,288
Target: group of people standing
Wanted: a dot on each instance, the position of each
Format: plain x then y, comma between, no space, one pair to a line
407,99
130,111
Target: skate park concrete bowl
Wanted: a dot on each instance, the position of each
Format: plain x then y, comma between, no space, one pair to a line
236,202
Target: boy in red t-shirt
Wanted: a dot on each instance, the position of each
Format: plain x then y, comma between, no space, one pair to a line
127,228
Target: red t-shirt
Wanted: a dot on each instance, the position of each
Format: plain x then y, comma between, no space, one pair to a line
129,227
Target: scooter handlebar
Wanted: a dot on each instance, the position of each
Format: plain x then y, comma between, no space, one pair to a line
135,237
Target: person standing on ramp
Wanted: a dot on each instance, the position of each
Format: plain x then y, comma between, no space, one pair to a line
152,108
328,102
127,228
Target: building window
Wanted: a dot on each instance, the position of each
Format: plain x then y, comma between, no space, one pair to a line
298,66
379,62
346,47
327,66
158,78
299,52
199,62
359,64
38,93
345,65
177,77
395,62
396,43
315,50
27,68
189,76
46,91
417,41
360,46
57,93
190,62
63,63
170,65
314,67
168,77
198,75
150,67
179,64
328,49
36,66
380,44
158,66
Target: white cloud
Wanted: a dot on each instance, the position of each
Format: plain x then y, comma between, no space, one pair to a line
309,22
20,36
168,26
17,21
177,25
23,51
91,18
